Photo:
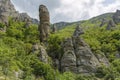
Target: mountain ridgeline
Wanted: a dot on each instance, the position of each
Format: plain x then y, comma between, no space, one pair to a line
37,50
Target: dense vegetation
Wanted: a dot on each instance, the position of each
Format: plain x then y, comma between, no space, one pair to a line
16,56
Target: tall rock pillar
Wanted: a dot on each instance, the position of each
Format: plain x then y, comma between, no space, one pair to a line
44,26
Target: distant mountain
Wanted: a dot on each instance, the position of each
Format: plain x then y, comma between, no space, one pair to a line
94,20
107,16
61,25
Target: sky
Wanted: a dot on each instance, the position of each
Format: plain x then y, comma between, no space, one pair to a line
67,10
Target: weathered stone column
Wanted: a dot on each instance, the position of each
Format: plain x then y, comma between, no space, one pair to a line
44,26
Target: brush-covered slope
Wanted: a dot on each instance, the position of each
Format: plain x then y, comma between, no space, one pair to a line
93,21
19,61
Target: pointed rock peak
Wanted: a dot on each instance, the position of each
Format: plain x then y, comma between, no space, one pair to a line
78,31
116,17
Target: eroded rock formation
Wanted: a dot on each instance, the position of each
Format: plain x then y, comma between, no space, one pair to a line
54,28
110,25
116,17
7,11
41,51
68,61
78,56
44,23
103,22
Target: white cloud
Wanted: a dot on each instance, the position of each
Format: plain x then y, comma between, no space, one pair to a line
68,10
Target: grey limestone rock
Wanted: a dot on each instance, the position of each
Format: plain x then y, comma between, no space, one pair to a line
78,56
110,25
44,27
116,17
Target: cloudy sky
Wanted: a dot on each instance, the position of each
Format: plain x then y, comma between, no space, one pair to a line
68,10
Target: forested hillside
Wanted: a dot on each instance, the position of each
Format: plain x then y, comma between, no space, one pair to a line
82,50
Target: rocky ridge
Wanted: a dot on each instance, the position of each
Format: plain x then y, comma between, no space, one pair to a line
116,17
7,11
78,56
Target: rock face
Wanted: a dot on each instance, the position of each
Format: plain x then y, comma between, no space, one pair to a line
43,55
78,57
110,25
78,31
41,51
54,28
68,61
44,23
7,10
102,59
103,22
116,17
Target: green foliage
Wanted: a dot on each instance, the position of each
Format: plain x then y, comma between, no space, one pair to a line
16,44
16,30
2,25
67,76
101,72
86,77
31,32
66,32
54,46
42,69
20,32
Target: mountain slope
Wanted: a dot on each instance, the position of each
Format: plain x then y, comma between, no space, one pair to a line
94,20
67,54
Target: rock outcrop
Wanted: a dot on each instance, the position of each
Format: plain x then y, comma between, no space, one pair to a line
7,11
116,17
54,28
110,25
43,56
78,56
103,22
41,51
44,23
68,61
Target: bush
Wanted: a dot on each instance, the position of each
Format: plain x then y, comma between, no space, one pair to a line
54,47
42,69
